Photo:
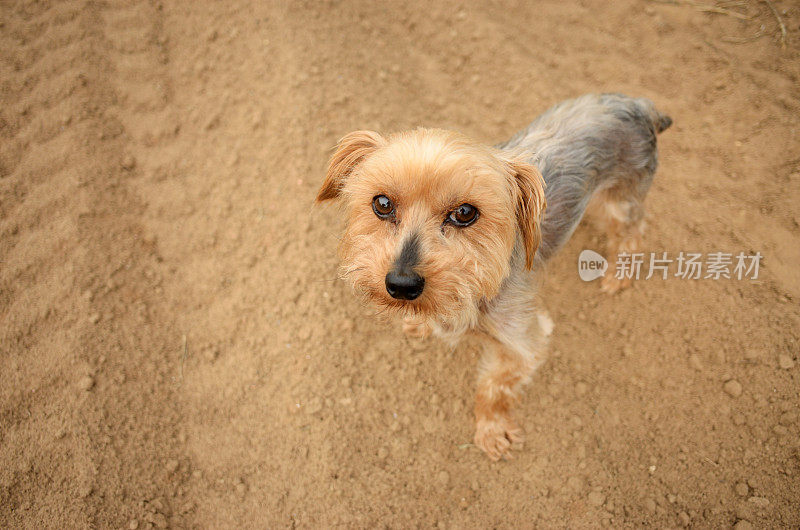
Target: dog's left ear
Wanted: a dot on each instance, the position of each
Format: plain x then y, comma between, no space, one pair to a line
350,151
530,206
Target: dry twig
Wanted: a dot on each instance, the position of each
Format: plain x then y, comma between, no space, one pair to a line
706,8
780,22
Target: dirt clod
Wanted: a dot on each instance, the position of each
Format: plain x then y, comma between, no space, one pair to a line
596,498
86,383
785,362
733,388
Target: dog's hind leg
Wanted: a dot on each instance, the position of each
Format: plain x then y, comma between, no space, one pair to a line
621,214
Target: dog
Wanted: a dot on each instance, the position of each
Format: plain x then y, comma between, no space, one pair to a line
450,233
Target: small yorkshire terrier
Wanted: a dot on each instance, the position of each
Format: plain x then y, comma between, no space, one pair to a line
449,233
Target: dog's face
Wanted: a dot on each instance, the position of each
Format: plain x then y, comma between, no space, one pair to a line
432,219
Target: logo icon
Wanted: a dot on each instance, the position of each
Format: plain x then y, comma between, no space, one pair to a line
591,265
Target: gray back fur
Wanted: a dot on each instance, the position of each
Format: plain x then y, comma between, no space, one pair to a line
585,145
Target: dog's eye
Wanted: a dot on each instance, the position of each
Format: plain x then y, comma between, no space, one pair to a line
464,215
382,206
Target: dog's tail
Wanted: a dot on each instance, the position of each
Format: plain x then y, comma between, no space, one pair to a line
661,121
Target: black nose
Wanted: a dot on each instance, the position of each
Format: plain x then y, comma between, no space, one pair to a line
404,285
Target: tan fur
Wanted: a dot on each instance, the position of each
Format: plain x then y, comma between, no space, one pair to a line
530,205
476,279
450,280
349,152
428,173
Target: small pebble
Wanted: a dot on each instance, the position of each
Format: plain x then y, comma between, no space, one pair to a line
86,383
128,162
94,318
159,520
741,489
762,502
383,453
443,477
133,525
743,525
575,483
172,466
785,362
596,498
685,519
733,388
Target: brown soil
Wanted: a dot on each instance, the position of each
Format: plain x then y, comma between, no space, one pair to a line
175,348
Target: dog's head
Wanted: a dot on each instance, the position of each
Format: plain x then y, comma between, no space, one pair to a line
432,218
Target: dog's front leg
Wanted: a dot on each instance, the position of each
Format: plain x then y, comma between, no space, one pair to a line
509,359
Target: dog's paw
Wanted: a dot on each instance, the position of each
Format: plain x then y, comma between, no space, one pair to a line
415,329
497,436
611,284
545,323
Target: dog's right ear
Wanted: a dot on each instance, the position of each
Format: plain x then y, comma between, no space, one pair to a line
350,151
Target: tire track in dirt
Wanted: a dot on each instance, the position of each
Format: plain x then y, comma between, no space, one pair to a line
111,454
39,205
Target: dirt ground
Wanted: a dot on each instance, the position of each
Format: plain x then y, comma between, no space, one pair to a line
176,349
